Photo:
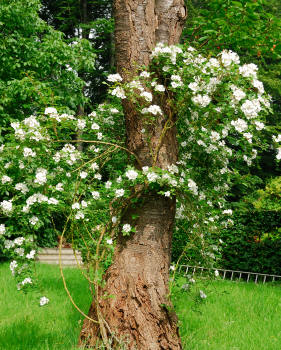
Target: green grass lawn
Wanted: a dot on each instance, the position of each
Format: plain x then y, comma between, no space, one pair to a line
24,325
235,316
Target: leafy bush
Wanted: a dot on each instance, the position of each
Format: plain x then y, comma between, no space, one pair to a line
246,245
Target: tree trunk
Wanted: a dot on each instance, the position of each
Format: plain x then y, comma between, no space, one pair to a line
140,311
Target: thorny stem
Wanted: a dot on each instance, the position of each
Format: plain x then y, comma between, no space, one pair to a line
63,278
103,143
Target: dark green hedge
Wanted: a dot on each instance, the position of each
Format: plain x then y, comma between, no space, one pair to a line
253,243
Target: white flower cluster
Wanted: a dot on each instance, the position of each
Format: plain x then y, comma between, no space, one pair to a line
13,266
6,206
238,94
277,139
6,179
176,81
171,51
118,92
229,57
38,198
113,78
27,280
147,96
216,113
153,109
249,70
27,152
31,254
220,86
30,129
131,174
2,229
41,176
240,125
251,108
68,153
22,187
201,100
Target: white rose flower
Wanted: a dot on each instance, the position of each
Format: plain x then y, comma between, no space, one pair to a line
192,186
228,57
43,301
75,205
5,179
50,110
276,138
131,174
41,176
81,124
201,100
202,294
278,155
19,241
153,109
108,184
79,215
227,212
13,266
31,255
27,280
33,221
248,70
126,228
251,108
147,96
159,88
151,177
240,125
119,192
2,229
83,174
59,187
118,92
6,206
84,204
95,194
145,74
259,125
95,126
113,78
19,251
27,152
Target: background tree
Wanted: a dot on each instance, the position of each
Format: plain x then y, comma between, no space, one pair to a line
91,20
38,67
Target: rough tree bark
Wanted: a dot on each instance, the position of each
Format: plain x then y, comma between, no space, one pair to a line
138,277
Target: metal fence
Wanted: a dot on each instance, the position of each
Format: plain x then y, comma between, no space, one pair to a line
230,274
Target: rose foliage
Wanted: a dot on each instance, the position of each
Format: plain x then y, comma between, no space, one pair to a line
48,176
